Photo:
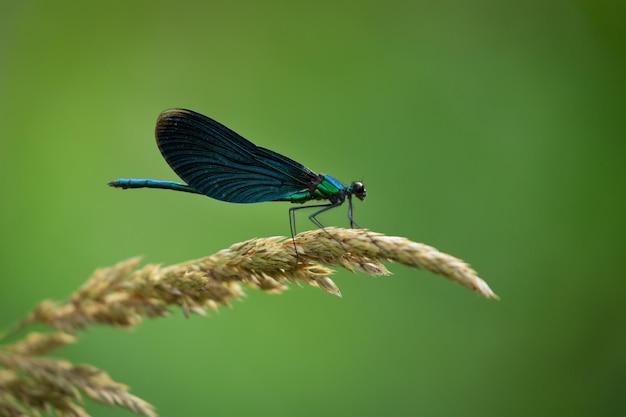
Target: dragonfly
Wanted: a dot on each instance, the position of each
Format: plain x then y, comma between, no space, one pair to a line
216,162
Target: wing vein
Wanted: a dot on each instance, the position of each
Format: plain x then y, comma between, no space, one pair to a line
221,164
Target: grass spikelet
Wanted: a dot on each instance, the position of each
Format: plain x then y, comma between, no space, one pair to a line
363,246
118,297
123,295
40,343
38,384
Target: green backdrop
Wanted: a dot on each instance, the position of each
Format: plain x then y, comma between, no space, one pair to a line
493,130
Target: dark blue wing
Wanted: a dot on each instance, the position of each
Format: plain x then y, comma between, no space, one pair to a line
221,164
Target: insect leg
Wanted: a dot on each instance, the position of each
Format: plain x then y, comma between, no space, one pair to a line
313,218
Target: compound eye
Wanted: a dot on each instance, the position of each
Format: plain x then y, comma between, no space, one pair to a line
359,190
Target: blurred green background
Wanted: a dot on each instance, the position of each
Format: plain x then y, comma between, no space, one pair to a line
493,130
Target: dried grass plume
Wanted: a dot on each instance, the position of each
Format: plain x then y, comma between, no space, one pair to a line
123,295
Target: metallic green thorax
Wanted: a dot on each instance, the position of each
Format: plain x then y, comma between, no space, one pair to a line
324,188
